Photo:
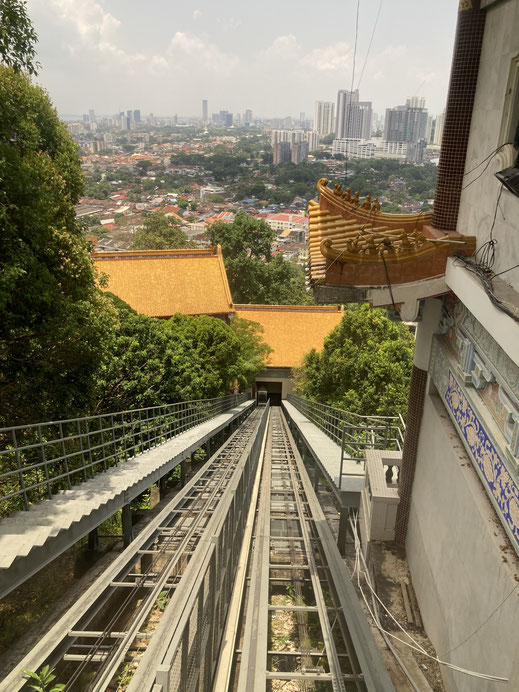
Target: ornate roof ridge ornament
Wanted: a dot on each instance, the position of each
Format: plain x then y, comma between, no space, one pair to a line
357,251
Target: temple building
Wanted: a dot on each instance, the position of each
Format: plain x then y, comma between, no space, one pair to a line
456,272
291,331
160,283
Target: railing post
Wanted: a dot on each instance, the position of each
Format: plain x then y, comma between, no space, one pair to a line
64,452
20,472
81,448
44,460
342,449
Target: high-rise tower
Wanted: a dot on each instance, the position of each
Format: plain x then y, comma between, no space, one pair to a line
324,118
354,118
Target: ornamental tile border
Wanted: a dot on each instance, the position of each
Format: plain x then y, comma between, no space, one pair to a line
498,482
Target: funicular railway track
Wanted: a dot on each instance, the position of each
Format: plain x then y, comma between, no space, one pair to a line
294,635
237,586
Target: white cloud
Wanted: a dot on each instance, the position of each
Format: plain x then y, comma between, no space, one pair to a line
97,31
337,57
283,47
197,14
189,50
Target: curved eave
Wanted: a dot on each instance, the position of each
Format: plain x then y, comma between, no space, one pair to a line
340,206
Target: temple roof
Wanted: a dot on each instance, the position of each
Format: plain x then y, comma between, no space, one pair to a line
353,243
292,330
160,283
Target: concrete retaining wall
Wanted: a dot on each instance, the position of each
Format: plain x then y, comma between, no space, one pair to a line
462,564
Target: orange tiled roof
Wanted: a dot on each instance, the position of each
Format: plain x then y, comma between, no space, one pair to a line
353,243
292,330
160,283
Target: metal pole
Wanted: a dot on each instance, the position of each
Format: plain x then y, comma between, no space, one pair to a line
126,520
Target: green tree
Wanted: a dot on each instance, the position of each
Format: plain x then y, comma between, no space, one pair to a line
160,232
245,235
328,139
55,322
254,275
254,352
143,166
17,37
364,366
150,362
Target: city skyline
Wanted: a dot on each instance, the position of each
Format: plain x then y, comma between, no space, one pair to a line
104,53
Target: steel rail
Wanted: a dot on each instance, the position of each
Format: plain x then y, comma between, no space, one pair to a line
326,630
183,654
287,493
228,456
369,670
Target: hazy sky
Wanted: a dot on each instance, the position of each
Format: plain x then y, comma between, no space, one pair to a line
276,57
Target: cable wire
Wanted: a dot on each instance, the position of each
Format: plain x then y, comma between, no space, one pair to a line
370,42
348,119
486,158
416,646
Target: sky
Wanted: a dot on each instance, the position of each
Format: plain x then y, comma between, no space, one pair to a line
275,57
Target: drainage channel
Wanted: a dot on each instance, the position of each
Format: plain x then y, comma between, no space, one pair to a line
291,627
100,643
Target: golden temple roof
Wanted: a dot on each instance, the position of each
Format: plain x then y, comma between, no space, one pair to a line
292,330
353,243
160,283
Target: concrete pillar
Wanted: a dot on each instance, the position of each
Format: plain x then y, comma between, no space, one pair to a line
126,521
182,473
431,314
316,477
93,540
343,529
163,485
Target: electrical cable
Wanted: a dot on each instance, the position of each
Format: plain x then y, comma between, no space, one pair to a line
351,88
485,276
387,243
506,270
370,42
415,646
483,623
486,158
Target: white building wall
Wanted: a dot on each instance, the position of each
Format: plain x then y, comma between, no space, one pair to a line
461,566
478,200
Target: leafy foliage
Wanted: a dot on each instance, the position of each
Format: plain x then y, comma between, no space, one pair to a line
254,352
17,37
160,232
364,367
151,362
55,322
254,275
43,681
375,176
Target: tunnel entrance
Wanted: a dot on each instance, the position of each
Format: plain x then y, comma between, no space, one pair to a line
274,390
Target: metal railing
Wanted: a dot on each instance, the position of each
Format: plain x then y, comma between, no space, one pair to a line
40,459
351,432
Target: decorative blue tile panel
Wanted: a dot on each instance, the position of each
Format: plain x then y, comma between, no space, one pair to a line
498,482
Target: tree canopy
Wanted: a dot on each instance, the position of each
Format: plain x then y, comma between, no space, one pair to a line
160,232
364,367
17,37
254,275
54,319
150,362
